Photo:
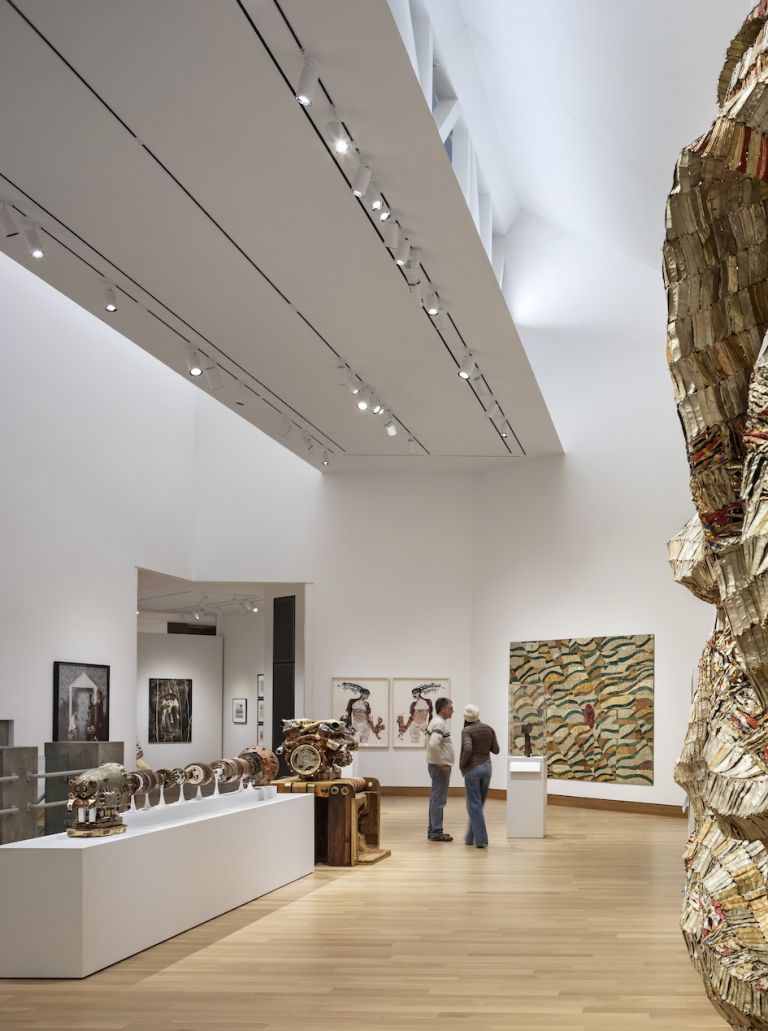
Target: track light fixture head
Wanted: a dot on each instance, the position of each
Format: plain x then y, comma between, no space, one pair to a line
364,400
376,406
504,431
308,442
391,428
432,303
378,201
362,180
33,242
213,378
195,363
403,252
392,236
7,224
385,213
196,613
411,445
467,367
241,395
338,137
285,427
305,94
494,412
326,458
110,298
352,382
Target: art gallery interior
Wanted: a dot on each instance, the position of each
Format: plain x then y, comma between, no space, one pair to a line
437,414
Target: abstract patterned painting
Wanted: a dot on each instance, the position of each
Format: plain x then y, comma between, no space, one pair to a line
589,704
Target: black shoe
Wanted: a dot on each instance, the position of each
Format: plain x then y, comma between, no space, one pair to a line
440,837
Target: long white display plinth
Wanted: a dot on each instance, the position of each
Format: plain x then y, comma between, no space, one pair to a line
70,906
527,796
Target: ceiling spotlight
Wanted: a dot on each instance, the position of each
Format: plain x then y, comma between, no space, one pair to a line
467,367
432,304
391,428
377,407
196,614
362,180
378,202
7,225
241,395
33,242
392,236
363,400
305,94
338,137
308,442
252,606
505,431
195,363
385,213
403,252
494,412
110,300
326,459
352,382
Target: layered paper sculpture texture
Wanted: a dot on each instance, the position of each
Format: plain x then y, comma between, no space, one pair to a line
716,274
589,704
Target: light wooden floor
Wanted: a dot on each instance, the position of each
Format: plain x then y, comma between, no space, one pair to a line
577,931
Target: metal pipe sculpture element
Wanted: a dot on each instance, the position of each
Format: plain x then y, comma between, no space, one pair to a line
95,797
716,274
317,749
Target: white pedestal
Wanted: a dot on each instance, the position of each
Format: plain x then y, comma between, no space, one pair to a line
527,796
76,905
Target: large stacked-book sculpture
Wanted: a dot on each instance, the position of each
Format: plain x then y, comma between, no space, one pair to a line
716,273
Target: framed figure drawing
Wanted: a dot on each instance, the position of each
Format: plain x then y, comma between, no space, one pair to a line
170,711
362,704
414,706
239,710
80,701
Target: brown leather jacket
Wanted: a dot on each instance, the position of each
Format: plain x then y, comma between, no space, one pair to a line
478,740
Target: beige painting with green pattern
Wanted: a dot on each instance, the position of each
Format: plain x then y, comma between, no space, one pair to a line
589,704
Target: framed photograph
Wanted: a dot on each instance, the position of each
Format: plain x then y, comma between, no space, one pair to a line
414,706
362,704
170,711
239,710
80,701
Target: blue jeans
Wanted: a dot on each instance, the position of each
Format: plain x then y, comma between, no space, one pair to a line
476,782
438,796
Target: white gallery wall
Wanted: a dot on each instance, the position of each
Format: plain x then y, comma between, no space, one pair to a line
111,461
194,657
243,635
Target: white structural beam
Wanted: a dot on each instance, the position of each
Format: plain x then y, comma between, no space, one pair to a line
401,12
446,115
462,159
424,41
498,254
485,222
474,186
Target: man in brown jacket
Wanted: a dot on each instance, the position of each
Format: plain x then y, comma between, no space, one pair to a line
478,740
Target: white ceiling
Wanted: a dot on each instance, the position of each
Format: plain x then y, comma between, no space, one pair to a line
593,101
159,593
160,145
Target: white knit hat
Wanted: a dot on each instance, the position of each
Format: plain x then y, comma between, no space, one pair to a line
471,713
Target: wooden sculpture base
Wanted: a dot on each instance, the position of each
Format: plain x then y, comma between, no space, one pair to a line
347,818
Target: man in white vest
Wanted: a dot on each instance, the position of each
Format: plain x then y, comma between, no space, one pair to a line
440,759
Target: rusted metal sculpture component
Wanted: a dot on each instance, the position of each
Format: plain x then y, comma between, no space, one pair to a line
95,798
716,272
317,749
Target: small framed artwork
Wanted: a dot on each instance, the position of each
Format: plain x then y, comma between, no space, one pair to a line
170,710
414,706
362,705
239,710
80,701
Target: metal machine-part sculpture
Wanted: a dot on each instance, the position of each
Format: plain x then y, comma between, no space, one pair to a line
96,797
716,273
317,749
